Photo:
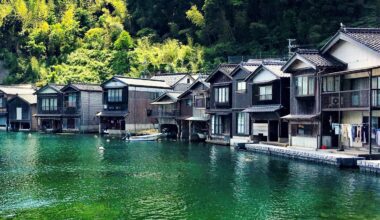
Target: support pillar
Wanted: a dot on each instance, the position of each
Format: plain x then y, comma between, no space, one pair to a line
190,130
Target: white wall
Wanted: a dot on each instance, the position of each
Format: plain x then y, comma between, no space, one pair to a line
306,142
354,55
300,65
264,76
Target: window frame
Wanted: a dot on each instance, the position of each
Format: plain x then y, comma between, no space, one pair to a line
242,124
72,100
115,95
241,86
309,89
268,93
216,124
222,94
201,99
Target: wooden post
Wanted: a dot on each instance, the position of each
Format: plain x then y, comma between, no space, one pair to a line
370,113
279,130
268,137
190,124
319,95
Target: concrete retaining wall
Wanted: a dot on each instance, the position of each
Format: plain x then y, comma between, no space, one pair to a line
369,165
307,155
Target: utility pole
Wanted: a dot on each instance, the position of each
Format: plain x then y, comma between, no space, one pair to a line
291,46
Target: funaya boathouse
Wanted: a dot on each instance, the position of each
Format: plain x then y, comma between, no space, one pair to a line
316,102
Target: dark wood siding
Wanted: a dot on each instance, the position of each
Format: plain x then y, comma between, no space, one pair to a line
116,106
19,103
59,97
240,100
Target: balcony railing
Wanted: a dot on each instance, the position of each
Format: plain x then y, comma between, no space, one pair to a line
164,113
345,99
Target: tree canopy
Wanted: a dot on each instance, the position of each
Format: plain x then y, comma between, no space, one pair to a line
89,41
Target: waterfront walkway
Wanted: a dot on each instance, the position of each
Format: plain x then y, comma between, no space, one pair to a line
320,156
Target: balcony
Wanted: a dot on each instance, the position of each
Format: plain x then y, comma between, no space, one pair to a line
352,99
164,113
222,104
71,110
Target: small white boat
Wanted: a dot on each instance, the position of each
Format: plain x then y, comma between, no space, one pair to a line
150,137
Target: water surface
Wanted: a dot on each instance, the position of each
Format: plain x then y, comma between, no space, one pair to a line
68,177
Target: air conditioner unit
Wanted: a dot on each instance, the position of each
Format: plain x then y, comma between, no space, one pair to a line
335,102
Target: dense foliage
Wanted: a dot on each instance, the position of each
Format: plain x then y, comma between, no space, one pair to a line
60,41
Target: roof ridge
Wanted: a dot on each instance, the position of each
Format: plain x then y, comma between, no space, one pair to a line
307,51
126,77
172,74
360,30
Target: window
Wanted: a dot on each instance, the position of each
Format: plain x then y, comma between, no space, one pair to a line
72,100
154,95
304,130
305,85
375,91
242,123
241,86
49,104
222,94
189,102
216,124
115,95
331,84
199,101
265,92
1,102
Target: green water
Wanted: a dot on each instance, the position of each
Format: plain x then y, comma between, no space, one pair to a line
67,177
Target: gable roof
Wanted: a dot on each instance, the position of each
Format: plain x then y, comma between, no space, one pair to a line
140,82
368,37
17,89
171,95
55,87
275,69
313,58
171,78
29,98
84,87
223,68
191,86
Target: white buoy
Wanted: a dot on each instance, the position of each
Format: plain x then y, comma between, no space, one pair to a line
101,148
95,136
108,140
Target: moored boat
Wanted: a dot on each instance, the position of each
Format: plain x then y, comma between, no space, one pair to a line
150,137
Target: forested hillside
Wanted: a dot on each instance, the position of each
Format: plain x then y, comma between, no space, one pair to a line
89,41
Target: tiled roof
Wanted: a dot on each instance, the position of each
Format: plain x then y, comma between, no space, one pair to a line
370,37
170,78
315,57
172,95
143,82
227,68
55,86
30,98
299,117
251,67
263,108
87,87
253,64
276,69
17,89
